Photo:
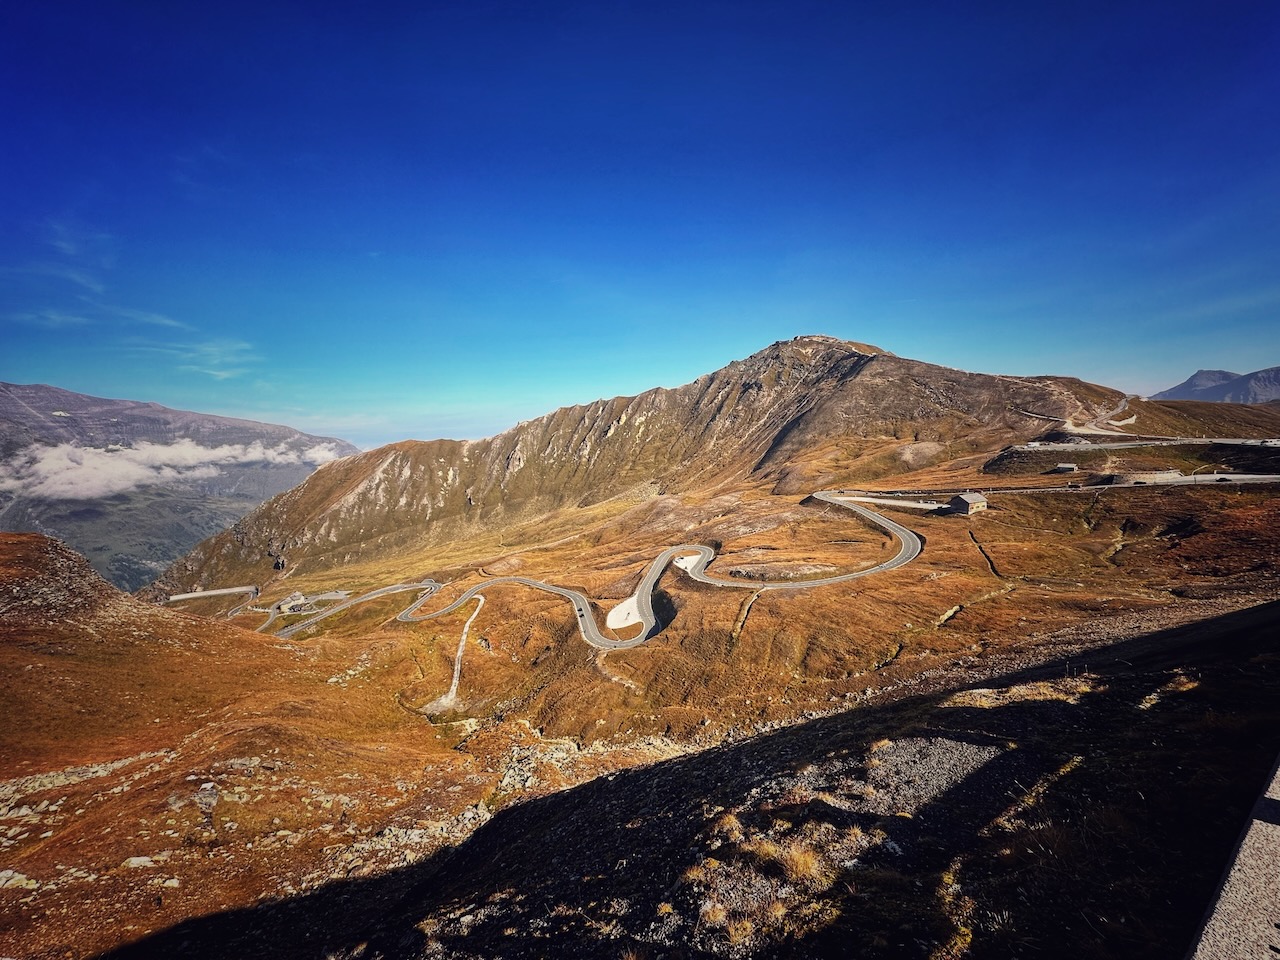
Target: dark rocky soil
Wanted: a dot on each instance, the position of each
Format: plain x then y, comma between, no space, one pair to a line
1083,807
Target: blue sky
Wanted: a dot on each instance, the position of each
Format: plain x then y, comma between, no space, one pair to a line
437,219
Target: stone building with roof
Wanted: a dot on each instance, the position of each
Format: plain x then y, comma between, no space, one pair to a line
967,503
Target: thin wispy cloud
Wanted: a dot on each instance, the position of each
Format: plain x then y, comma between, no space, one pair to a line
79,242
64,245
69,291
50,319
147,317
75,275
220,359
205,171
82,256
215,373
92,312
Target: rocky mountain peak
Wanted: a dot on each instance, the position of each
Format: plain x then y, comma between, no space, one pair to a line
805,353
817,343
761,420
1223,386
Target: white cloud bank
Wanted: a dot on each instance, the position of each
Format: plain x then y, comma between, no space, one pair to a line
68,472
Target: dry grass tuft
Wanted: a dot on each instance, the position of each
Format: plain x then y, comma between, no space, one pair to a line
713,914
1067,690
805,865
730,827
1181,683
695,874
763,850
1012,818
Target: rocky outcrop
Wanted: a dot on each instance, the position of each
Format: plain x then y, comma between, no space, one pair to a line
42,580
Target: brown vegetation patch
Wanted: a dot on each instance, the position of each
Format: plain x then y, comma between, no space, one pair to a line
1056,815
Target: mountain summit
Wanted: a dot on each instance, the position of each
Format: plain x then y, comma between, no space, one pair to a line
793,417
1223,386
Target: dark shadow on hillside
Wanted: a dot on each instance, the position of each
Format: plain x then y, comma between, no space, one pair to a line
1116,853
664,612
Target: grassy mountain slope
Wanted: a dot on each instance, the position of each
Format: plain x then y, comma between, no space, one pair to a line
796,416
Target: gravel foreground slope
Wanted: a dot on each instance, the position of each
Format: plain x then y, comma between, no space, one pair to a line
1055,810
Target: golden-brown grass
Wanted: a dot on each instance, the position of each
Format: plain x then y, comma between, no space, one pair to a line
803,864
713,914
1068,560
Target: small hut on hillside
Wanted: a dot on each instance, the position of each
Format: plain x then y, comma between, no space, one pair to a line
967,503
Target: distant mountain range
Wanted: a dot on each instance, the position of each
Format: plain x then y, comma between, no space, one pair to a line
135,485
1223,386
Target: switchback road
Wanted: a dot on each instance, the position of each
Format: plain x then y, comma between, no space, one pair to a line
692,558
695,557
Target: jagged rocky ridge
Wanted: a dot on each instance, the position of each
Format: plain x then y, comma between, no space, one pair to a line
757,419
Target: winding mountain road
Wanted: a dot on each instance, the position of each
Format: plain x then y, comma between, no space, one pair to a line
698,556
636,610
692,558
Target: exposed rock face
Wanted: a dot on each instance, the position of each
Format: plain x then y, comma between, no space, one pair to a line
134,485
42,580
1222,386
755,419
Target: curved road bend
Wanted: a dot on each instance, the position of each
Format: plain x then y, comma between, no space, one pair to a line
428,585
697,555
909,549
587,625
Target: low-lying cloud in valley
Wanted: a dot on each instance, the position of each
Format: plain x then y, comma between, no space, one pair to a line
69,472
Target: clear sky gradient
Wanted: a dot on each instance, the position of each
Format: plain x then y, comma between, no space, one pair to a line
437,219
